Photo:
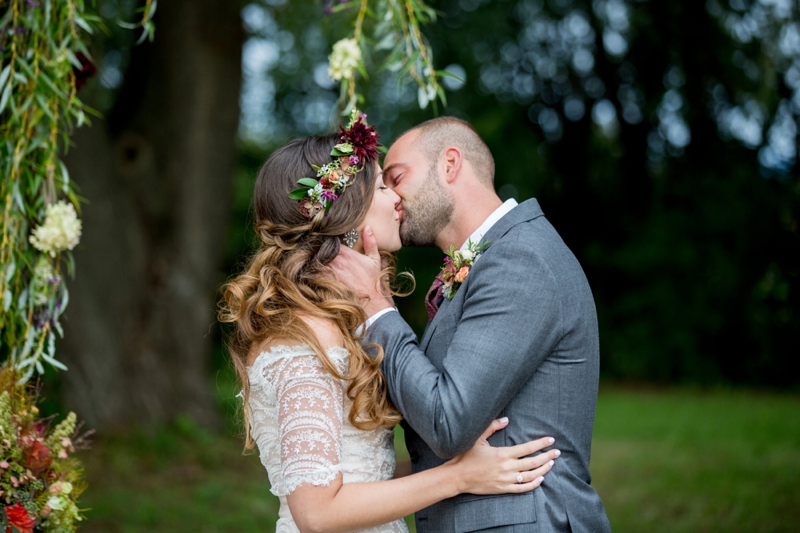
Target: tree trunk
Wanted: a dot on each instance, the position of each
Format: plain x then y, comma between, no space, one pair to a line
157,175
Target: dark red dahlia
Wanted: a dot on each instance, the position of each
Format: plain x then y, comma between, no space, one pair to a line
83,74
364,140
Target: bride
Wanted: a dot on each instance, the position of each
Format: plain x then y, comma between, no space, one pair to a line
315,401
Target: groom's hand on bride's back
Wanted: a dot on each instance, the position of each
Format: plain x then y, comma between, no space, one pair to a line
361,273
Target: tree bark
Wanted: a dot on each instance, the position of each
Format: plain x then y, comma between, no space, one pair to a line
157,174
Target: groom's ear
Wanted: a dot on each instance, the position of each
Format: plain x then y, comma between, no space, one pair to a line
452,164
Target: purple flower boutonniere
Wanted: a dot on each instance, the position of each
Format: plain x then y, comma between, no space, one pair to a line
458,264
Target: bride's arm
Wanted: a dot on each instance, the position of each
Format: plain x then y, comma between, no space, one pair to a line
343,507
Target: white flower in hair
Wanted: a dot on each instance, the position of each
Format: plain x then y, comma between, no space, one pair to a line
346,56
60,231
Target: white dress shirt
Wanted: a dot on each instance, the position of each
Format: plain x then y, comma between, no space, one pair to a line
484,228
475,238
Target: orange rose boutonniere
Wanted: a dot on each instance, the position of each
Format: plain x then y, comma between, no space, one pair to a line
458,264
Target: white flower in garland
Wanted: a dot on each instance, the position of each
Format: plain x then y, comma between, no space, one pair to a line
60,231
345,58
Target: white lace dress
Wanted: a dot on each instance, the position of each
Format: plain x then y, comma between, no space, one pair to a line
299,420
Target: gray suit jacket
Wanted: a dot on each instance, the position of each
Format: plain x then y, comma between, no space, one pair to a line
518,339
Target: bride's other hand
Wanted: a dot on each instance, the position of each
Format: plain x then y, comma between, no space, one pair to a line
484,469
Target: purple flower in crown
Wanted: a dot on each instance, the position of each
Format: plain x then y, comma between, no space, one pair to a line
329,196
353,159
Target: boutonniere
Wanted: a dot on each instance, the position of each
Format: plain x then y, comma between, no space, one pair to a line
457,265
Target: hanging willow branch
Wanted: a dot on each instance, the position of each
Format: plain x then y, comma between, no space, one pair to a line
396,36
44,46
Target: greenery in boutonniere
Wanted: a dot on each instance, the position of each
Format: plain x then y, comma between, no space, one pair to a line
457,265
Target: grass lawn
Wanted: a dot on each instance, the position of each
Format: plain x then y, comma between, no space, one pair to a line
690,461
669,460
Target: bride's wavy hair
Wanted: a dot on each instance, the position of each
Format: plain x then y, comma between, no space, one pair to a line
285,280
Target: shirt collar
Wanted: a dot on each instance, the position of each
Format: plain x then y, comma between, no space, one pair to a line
484,228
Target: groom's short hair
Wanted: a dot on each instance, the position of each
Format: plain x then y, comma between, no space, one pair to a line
438,134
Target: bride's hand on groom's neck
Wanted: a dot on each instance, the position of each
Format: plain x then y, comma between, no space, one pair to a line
361,273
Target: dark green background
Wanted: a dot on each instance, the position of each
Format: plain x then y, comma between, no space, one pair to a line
692,251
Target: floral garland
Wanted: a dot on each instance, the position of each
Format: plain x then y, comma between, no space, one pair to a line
458,264
44,62
40,478
358,145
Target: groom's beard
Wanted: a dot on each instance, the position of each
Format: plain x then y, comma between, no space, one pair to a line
428,215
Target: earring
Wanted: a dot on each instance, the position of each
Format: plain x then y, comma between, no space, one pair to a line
350,238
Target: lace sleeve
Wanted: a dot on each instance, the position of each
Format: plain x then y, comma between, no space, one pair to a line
309,401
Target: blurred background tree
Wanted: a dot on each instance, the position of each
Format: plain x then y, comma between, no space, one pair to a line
661,139
156,172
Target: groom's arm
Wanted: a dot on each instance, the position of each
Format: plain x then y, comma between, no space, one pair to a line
510,322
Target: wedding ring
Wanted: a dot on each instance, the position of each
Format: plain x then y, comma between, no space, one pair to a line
519,477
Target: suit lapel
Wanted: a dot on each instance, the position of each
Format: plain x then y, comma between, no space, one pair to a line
426,336
525,211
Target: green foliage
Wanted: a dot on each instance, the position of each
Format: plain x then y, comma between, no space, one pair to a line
394,34
44,60
40,477
44,46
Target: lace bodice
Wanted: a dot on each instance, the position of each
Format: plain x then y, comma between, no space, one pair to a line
299,419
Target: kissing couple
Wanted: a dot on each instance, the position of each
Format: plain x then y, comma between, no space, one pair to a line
497,399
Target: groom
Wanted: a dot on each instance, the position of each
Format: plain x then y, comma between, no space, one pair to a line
518,339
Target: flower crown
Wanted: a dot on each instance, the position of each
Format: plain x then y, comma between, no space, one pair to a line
358,145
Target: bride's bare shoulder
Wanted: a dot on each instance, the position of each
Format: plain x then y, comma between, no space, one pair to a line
326,331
